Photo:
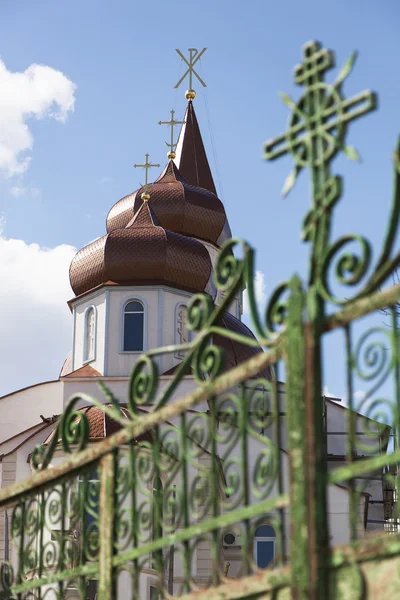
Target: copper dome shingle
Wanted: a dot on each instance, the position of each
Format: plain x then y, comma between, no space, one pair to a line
184,196
179,207
191,158
141,253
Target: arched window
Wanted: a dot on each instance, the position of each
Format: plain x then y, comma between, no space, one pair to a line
264,546
90,334
133,326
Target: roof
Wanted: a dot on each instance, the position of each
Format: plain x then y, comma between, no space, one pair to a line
101,425
141,252
191,158
184,197
28,387
85,371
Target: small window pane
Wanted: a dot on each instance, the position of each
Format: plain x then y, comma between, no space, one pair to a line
265,531
154,593
133,331
265,553
134,307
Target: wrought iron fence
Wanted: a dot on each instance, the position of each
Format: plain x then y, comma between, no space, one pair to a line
179,501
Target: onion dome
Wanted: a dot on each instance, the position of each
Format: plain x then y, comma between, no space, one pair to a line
235,352
183,198
179,206
140,254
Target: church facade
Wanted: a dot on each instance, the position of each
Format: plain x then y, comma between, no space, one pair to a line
131,290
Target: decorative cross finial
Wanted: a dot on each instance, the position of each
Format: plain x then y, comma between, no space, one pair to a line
146,166
319,121
194,56
316,133
171,123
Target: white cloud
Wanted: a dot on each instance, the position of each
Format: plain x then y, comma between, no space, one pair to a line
105,180
260,292
38,92
36,331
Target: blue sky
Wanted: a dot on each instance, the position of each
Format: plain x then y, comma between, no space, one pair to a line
121,57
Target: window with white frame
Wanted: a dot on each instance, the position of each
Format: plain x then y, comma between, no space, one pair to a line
133,327
264,546
90,334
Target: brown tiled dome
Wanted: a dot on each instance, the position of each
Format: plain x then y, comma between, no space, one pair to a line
179,206
235,352
141,253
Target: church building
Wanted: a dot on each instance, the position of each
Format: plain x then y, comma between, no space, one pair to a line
131,288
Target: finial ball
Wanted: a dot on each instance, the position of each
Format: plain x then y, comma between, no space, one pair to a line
190,95
145,197
171,155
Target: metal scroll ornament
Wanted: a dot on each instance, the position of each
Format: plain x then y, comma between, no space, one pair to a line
316,134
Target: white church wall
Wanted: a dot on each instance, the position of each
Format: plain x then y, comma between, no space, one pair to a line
22,409
119,387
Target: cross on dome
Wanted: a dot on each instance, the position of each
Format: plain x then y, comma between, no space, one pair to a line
172,123
146,166
194,57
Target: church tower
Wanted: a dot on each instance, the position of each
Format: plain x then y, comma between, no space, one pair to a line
132,285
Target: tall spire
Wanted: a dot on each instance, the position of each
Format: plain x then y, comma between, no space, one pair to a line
191,158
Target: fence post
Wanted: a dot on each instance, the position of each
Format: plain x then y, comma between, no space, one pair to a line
107,584
296,432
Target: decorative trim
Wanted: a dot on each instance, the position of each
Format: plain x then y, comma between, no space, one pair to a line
160,338
73,338
86,360
106,332
125,288
126,301
176,340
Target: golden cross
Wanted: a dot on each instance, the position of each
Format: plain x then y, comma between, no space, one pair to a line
146,166
171,123
194,56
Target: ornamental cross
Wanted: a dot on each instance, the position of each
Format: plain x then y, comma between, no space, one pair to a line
146,166
172,124
194,56
319,120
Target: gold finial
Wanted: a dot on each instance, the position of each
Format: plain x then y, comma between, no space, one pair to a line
145,196
171,123
146,166
194,56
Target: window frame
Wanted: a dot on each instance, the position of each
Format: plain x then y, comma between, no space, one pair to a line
88,359
122,326
152,583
